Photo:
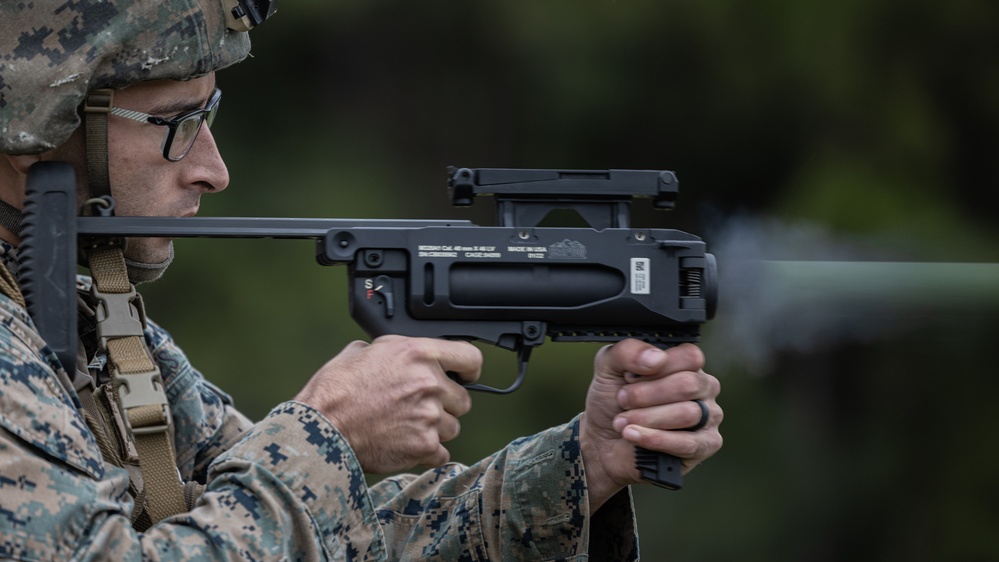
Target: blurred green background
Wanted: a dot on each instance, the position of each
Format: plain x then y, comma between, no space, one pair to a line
874,121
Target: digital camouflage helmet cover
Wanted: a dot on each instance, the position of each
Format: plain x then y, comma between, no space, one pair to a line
53,52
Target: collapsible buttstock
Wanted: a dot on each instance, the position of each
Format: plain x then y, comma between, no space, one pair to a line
48,256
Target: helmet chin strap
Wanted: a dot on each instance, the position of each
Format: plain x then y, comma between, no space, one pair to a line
96,109
140,272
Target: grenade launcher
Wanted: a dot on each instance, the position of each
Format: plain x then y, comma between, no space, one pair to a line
511,285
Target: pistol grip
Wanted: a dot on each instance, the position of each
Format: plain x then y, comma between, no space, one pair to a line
661,469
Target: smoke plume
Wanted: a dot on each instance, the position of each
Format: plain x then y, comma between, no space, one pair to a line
800,288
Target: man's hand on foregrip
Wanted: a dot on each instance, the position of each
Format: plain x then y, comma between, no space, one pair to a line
647,397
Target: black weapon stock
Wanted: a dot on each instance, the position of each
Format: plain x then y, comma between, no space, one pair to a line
510,285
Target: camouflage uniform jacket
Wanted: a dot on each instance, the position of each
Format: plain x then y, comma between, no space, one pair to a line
286,488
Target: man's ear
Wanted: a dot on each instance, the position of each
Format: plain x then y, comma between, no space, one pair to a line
21,162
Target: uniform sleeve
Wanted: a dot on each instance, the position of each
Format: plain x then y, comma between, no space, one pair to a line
526,502
288,488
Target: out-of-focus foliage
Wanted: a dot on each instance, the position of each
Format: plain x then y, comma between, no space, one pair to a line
874,118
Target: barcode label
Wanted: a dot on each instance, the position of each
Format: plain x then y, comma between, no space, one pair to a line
640,282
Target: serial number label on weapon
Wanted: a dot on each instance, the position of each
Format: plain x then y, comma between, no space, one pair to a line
566,249
448,251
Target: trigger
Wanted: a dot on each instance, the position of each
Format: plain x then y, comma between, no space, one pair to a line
383,286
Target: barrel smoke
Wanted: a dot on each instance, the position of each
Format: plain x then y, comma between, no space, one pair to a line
801,288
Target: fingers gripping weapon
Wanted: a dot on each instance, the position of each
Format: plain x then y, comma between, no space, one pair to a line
511,285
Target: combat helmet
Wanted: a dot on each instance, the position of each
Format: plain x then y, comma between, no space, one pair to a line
52,53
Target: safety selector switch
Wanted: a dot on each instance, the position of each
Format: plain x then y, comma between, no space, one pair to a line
383,287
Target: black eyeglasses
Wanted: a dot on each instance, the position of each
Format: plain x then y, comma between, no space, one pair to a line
182,130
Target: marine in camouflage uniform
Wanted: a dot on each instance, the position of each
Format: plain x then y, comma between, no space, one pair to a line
288,487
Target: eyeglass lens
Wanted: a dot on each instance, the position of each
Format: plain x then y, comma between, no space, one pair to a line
187,132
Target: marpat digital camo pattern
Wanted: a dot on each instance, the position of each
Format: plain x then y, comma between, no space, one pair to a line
52,52
286,488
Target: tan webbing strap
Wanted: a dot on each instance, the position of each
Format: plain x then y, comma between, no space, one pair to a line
101,414
95,421
9,287
192,492
140,386
96,109
10,217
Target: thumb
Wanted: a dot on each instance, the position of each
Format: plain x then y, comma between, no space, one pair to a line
630,360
